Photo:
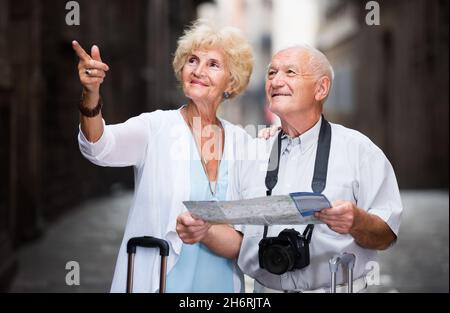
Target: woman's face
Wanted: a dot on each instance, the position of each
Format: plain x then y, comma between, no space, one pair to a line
205,76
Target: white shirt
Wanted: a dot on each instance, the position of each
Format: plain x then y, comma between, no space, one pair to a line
157,145
358,171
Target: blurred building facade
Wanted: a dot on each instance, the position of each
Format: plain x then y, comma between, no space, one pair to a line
43,172
392,81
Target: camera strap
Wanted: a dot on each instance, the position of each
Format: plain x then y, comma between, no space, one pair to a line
320,167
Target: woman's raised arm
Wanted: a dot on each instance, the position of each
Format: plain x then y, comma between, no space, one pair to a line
113,145
92,72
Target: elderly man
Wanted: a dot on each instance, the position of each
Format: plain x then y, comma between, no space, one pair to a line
310,154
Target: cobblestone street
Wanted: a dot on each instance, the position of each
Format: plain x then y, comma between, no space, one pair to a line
92,233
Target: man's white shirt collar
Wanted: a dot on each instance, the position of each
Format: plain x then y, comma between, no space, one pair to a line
305,140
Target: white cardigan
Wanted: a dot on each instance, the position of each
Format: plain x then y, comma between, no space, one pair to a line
157,144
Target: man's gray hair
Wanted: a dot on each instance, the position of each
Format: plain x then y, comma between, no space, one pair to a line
318,62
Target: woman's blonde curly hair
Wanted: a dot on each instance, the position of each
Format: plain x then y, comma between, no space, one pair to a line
202,35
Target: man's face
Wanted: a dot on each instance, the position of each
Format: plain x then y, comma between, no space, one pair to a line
290,85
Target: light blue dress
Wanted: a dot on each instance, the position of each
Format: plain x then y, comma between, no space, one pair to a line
198,269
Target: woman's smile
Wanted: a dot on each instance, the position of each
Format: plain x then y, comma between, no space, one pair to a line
198,82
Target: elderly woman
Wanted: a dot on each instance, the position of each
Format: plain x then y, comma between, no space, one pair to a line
177,155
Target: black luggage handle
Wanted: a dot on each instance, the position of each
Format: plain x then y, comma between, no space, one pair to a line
147,242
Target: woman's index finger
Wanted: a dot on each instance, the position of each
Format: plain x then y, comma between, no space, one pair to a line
80,51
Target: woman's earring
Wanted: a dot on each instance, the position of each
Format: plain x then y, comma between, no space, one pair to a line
226,95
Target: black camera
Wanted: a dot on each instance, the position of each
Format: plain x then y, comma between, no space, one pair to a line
287,252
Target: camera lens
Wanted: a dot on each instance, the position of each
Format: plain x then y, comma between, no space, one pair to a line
278,259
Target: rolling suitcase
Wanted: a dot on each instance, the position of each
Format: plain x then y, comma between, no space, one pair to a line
147,242
344,259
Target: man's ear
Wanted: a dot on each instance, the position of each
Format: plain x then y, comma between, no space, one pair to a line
322,88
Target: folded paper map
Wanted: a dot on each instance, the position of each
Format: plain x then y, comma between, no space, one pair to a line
293,209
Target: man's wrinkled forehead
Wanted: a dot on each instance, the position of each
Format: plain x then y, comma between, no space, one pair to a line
291,57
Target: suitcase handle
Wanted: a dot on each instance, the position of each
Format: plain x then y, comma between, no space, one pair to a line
147,242
344,259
